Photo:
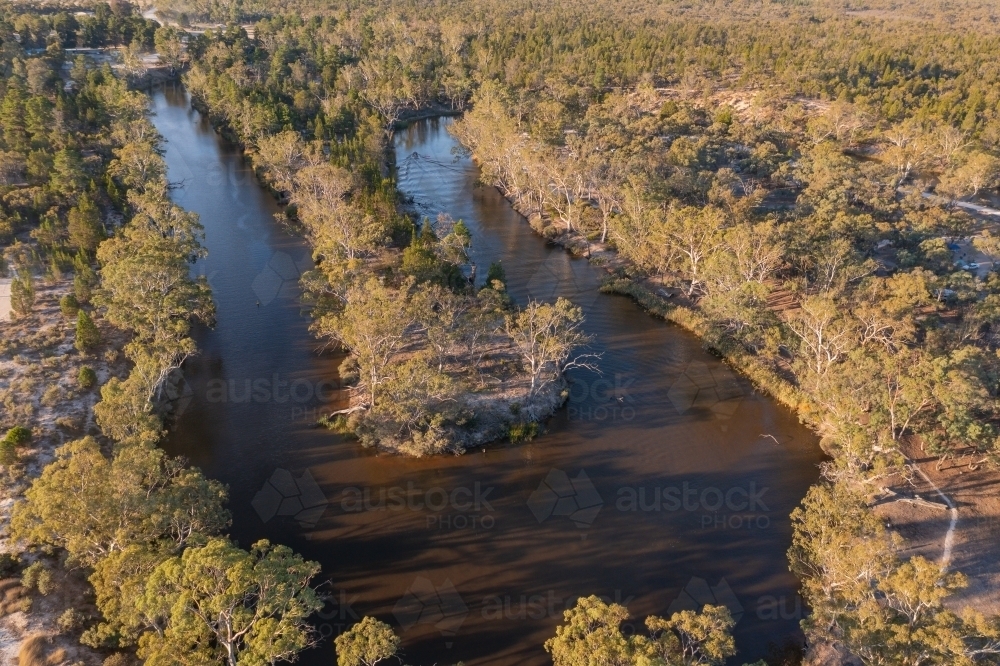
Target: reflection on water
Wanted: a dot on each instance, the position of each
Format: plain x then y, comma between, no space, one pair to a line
665,483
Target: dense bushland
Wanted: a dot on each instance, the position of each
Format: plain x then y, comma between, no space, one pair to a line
84,190
762,167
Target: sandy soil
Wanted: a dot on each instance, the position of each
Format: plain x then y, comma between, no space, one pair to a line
61,646
4,299
39,388
975,492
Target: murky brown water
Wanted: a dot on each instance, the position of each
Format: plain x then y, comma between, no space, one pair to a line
665,482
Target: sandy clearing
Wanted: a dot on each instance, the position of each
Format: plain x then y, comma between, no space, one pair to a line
5,299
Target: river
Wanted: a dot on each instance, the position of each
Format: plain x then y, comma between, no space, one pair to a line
665,483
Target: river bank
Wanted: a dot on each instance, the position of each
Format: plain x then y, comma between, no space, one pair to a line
645,423
622,279
957,533
498,400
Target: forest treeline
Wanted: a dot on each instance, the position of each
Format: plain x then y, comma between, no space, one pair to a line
764,177
759,167
85,194
97,25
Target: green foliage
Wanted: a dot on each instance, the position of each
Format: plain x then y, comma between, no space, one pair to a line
430,258
69,306
84,282
592,635
8,453
339,424
84,225
372,325
125,516
673,137
419,259
72,621
22,294
8,564
125,412
38,576
366,643
545,336
18,435
86,378
224,604
92,506
119,659
523,432
67,178
885,609
87,334
495,274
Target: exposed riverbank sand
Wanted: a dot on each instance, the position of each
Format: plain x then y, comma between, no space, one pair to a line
39,389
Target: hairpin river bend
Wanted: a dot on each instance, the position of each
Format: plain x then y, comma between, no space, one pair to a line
665,481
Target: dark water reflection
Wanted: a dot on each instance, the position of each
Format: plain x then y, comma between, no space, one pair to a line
473,558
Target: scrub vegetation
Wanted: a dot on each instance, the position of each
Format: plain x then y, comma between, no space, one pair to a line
785,180
796,182
113,545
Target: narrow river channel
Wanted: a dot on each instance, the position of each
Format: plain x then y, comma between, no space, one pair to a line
666,483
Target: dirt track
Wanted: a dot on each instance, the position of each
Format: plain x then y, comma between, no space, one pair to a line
976,494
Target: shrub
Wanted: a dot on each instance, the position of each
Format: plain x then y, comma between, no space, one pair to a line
18,435
496,273
82,289
22,295
118,659
68,422
101,636
368,642
38,576
69,305
52,396
87,378
13,597
8,564
348,371
8,453
71,621
523,432
85,279
340,424
87,335
33,651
